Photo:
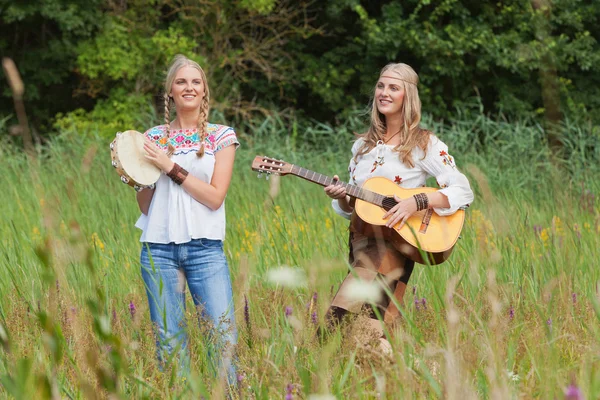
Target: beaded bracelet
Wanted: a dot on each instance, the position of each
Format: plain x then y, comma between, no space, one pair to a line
177,174
422,201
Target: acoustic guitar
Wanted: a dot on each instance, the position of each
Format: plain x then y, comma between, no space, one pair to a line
425,238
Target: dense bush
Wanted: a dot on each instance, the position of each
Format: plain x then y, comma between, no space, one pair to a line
315,59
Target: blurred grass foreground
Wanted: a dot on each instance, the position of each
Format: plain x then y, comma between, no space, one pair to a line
514,313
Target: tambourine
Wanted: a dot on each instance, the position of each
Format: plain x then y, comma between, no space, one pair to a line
127,154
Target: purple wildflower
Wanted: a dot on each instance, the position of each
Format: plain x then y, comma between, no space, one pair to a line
289,392
574,297
414,290
132,309
312,306
114,316
549,322
573,393
424,303
240,377
288,311
577,230
416,303
246,312
537,229
511,313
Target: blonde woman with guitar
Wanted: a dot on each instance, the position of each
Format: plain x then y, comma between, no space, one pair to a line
397,148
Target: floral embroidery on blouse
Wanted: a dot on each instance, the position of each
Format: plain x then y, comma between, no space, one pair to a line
352,176
380,161
447,159
398,180
186,140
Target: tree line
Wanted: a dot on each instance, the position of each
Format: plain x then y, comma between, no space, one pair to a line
100,63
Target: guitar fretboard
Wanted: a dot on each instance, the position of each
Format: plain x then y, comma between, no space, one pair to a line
352,190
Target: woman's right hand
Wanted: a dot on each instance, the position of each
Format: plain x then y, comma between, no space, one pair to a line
335,190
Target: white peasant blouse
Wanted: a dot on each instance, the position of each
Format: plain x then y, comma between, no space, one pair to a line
174,215
383,161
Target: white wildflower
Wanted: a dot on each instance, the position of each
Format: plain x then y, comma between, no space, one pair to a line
513,377
359,290
286,276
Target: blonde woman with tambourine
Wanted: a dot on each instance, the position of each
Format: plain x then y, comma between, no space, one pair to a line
183,218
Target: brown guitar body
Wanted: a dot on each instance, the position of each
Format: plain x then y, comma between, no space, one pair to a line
435,236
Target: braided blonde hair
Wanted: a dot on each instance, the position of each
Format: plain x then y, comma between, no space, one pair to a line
411,135
180,61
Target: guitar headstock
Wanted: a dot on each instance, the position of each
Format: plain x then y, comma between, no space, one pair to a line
271,166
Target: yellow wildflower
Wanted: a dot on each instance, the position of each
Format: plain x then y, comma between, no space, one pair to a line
544,236
96,242
557,226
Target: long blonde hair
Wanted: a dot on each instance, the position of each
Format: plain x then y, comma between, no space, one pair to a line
180,61
411,134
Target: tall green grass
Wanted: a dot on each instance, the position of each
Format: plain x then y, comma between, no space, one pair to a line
513,314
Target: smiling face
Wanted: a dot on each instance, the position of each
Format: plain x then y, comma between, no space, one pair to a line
389,95
187,89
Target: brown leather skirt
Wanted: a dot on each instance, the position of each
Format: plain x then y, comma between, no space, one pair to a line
372,258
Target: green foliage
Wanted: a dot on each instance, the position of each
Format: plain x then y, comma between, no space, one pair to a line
42,38
317,59
119,112
260,6
463,49
133,59
132,51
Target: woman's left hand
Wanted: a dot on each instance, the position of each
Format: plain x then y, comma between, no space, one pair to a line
157,157
401,211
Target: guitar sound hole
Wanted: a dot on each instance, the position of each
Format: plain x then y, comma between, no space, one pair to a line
388,203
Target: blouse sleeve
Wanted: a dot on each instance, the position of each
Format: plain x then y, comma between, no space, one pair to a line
226,137
439,164
351,180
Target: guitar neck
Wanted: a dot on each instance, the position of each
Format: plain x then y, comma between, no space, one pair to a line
351,190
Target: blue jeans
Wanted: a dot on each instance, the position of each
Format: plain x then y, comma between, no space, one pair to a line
202,263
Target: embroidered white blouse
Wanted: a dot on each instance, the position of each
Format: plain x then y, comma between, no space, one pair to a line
383,161
174,216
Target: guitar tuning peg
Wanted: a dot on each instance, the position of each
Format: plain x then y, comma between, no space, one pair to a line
268,175
259,175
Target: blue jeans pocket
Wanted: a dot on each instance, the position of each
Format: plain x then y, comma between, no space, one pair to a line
210,243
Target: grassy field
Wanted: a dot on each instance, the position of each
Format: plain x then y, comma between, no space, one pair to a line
514,313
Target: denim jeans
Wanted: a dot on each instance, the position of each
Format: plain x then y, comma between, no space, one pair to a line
202,263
